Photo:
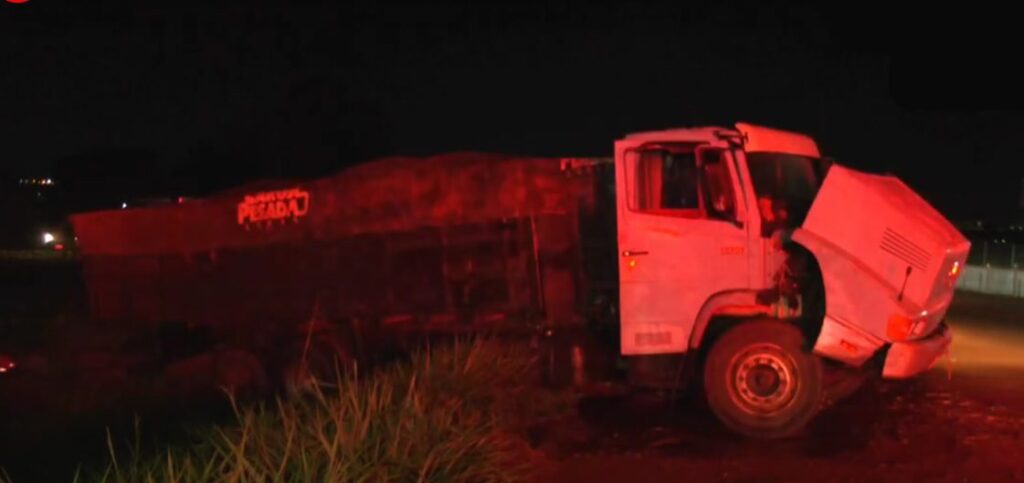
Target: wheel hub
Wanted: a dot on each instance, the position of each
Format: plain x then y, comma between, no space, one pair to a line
763,379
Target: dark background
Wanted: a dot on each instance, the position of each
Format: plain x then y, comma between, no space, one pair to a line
184,98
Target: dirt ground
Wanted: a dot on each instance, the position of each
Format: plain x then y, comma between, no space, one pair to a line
962,421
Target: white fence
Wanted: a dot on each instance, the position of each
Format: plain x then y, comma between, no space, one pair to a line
992,280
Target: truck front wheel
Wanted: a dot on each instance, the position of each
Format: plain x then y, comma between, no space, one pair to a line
761,381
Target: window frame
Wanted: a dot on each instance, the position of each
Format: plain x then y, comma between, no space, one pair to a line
632,160
632,192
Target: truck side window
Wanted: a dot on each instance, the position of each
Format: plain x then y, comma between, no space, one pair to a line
667,182
717,186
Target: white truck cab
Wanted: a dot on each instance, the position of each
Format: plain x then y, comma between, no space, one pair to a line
744,247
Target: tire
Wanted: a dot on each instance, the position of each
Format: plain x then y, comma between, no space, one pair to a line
760,380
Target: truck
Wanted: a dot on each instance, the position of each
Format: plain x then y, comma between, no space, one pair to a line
737,259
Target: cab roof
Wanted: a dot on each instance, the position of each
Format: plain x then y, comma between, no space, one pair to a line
755,138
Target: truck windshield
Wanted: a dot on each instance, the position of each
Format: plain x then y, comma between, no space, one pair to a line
785,185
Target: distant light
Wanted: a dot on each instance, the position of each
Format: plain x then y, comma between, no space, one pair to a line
59,247
48,238
124,205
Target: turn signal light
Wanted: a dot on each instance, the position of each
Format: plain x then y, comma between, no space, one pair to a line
953,272
899,327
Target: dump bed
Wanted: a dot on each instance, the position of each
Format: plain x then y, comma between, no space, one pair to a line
465,236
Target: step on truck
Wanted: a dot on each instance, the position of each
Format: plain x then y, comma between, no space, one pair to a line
735,258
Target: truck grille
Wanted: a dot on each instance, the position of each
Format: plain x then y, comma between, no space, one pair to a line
902,248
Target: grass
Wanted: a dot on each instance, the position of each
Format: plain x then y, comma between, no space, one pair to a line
451,414
35,255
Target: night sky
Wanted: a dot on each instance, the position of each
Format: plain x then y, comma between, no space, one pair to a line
212,96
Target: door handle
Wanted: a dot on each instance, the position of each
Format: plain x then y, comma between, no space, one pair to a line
634,253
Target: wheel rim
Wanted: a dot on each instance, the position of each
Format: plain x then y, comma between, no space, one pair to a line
763,379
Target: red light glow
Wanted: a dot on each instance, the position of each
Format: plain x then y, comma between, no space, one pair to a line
899,327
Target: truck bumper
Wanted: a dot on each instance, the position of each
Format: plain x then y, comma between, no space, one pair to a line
908,359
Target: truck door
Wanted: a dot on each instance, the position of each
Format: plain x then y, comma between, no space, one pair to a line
680,240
